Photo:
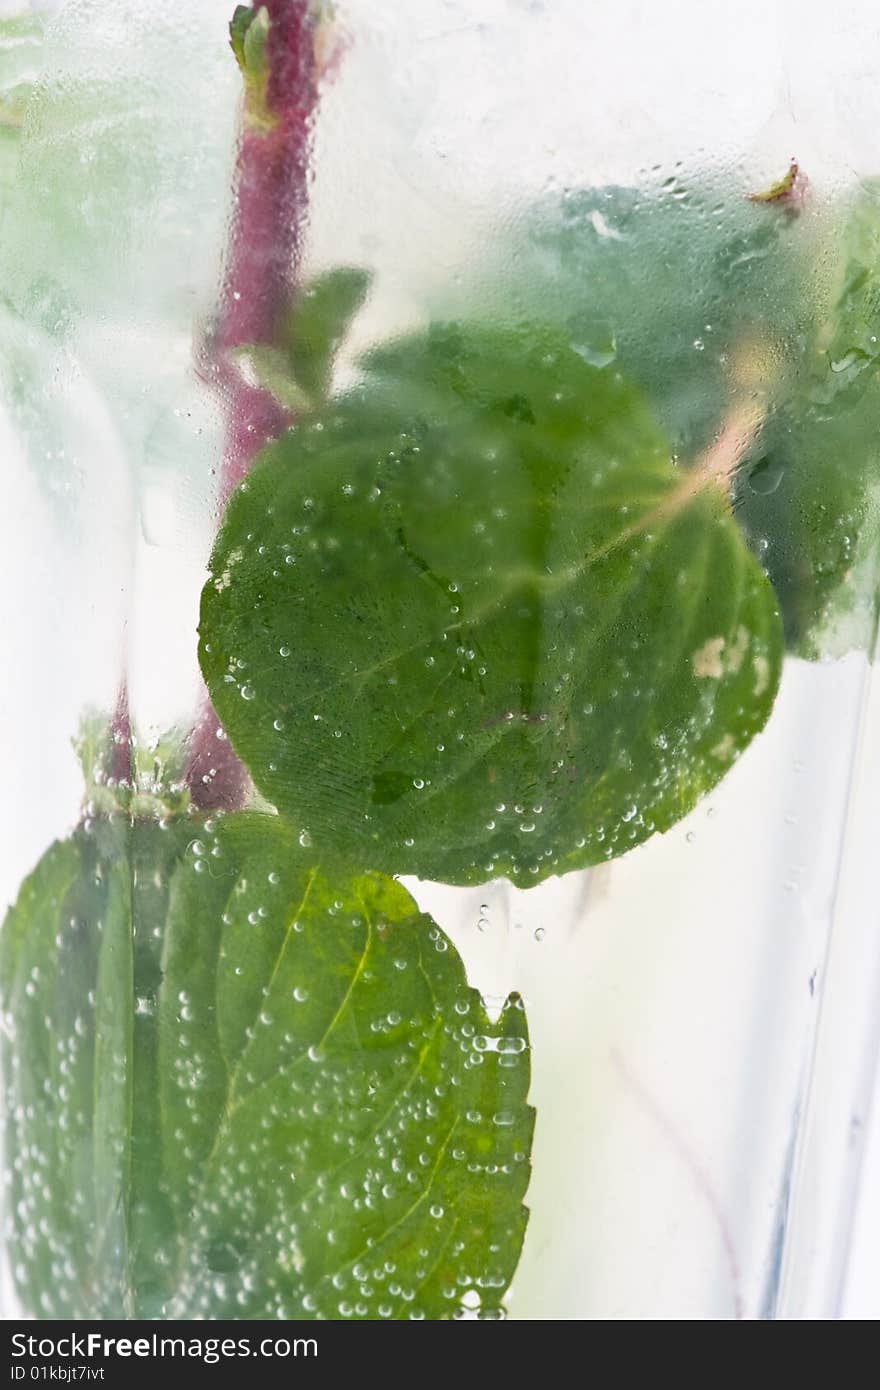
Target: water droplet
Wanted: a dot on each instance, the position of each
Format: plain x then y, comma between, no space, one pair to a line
592,338
855,357
766,475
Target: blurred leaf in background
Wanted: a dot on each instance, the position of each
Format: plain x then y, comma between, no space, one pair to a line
20,41
710,299
114,214
808,493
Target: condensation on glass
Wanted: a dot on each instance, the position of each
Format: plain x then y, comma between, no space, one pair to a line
667,182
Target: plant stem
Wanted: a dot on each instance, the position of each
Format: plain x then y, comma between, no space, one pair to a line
121,757
271,200
266,239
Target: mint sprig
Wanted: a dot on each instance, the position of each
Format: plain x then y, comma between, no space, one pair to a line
507,608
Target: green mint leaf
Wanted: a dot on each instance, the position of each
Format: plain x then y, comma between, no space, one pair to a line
474,622
676,280
153,788
248,35
79,968
707,301
357,1142
298,369
248,31
807,494
270,368
242,1086
254,44
318,323
239,24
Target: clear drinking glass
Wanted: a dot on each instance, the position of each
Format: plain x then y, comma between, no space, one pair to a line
686,200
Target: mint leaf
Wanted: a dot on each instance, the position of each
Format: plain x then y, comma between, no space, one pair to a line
682,279
356,1142
79,966
708,297
248,38
318,323
241,1085
807,495
270,368
474,622
248,32
242,19
298,369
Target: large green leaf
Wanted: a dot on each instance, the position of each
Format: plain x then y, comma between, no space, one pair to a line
346,1129
241,1086
475,622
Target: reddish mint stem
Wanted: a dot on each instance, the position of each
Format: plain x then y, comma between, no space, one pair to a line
266,241
263,262
121,770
